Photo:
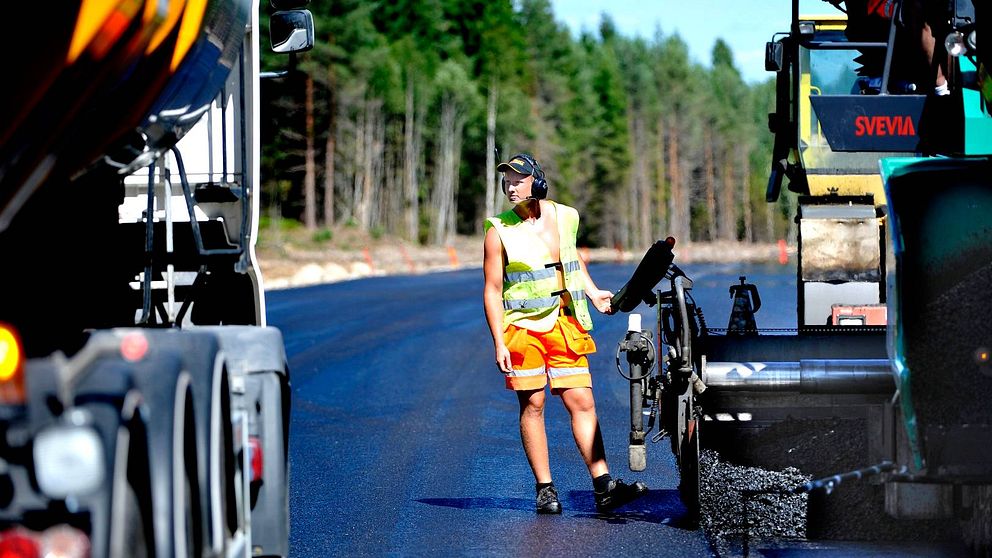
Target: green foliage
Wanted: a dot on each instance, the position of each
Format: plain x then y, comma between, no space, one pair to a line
282,224
322,236
593,109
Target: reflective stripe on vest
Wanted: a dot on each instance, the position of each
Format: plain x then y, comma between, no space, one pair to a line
539,302
531,296
536,275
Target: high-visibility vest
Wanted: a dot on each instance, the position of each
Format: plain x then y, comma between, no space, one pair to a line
531,298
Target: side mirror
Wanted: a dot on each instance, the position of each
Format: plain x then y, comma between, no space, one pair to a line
291,31
774,55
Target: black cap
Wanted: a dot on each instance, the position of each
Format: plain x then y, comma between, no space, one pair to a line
522,164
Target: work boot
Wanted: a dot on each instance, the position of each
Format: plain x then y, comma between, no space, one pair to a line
547,500
619,493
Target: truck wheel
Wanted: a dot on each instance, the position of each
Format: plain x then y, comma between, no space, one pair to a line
191,495
134,537
130,522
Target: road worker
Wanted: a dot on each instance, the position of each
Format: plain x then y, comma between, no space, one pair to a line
535,302
922,62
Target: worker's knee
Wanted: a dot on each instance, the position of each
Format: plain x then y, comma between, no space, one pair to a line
532,412
531,404
579,400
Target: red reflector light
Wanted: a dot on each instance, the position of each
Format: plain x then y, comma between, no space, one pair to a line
255,458
19,543
60,541
134,346
670,241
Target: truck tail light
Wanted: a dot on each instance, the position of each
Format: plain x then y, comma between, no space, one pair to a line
11,367
60,541
255,458
19,543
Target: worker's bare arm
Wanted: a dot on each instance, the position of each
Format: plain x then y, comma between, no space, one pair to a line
600,298
492,268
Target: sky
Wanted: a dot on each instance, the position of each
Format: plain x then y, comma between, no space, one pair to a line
746,25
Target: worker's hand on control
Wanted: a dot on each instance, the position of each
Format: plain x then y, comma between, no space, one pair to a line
503,359
602,300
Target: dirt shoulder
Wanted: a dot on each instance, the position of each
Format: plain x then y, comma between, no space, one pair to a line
297,258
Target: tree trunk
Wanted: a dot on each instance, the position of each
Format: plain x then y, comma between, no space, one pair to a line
358,204
375,164
679,200
709,183
410,149
746,192
728,207
310,174
643,183
628,216
659,166
444,173
492,189
330,146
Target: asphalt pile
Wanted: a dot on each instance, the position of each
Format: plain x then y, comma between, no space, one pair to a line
739,502
945,338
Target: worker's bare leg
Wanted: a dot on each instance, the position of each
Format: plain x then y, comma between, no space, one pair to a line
585,428
532,433
929,43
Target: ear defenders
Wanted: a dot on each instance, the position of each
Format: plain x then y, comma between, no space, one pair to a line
539,189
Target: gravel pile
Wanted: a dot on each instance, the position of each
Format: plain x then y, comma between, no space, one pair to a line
729,512
801,450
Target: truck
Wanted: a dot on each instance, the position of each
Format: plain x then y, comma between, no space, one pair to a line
144,402
893,287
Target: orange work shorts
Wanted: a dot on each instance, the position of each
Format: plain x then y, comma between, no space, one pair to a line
558,354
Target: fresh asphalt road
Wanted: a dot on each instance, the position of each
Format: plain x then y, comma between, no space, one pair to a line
405,442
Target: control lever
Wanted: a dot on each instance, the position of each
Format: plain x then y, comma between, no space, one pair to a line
652,268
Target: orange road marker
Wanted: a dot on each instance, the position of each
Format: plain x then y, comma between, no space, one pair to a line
453,256
368,258
406,258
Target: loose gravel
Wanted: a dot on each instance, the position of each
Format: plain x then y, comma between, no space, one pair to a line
788,454
738,501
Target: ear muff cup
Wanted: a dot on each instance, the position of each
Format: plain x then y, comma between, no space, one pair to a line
540,188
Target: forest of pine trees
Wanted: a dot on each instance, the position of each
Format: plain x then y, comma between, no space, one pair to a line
392,122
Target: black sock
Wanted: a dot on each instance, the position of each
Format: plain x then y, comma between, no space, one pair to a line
543,485
601,483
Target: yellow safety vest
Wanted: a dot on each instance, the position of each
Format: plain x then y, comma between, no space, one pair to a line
531,299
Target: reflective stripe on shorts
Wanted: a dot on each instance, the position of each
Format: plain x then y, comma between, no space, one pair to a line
562,372
527,372
558,355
